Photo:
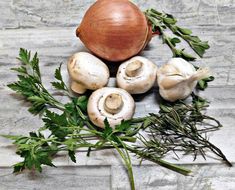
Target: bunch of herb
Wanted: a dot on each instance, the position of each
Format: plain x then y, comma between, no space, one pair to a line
181,127
177,127
69,126
162,21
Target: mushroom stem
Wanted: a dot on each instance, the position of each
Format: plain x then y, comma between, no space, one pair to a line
77,87
113,103
134,68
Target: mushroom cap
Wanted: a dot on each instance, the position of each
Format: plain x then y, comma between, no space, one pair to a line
173,79
87,71
97,111
140,78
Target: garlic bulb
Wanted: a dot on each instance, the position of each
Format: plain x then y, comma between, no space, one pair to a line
178,78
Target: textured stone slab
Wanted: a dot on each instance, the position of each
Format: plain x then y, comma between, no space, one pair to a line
149,177
28,14
214,177
69,178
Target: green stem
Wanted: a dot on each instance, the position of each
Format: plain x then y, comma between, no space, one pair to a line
138,120
173,167
164,36
127,161
128,139
161,162
59,106
84,117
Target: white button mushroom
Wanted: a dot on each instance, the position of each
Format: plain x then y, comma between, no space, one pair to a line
178,78
115,104
87,72
137,75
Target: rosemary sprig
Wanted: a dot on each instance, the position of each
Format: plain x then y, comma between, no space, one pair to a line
161,21
177,128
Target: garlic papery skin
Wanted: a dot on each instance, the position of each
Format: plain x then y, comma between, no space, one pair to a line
115,104
87,72
178,78
137,75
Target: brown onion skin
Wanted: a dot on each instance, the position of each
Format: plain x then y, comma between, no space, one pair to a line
114,30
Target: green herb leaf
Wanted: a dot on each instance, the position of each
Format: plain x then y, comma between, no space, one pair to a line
82,103
203,84
184,30
21,70
24,56
169,20
107,130
19,167
72,156
155,12
30,86
199,47
147,122
187,56
175,40
34,150
193,38
57,124
123,126
59,85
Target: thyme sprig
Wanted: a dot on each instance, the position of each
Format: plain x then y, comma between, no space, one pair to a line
161,21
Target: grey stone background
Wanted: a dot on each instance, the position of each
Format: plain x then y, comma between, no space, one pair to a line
49,28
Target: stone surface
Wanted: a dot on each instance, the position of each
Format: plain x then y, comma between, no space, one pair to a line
49,28
70,178
152,177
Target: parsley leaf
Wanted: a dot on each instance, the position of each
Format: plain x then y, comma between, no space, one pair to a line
29,84
59,85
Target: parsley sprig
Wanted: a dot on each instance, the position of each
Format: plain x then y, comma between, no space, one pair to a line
30,84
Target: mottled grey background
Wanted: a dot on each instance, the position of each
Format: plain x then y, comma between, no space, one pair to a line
49,28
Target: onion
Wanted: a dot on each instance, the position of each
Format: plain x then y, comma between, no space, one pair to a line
114,30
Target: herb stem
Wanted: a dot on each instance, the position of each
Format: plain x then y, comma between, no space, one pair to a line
160,162
126,158
219,153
